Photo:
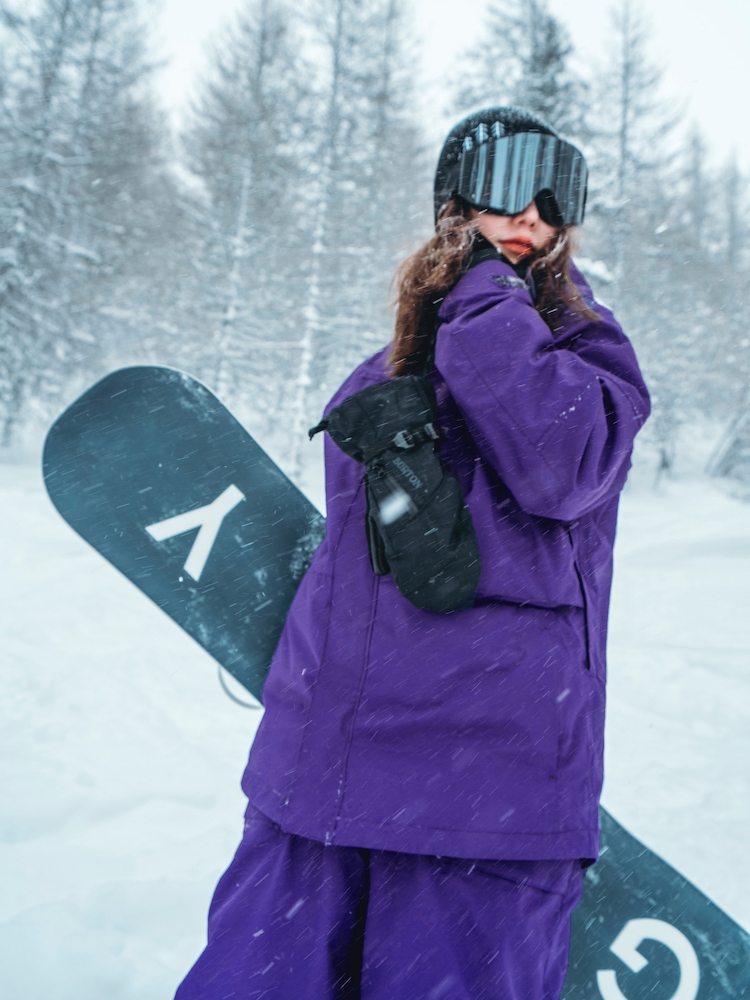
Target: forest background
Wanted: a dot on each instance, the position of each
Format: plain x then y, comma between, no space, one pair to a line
254,245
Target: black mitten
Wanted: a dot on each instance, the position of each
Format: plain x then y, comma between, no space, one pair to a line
418,526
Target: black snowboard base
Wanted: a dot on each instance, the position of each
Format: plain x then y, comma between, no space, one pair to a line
152,470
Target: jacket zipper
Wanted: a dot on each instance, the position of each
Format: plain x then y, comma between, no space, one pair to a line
341,792
584,598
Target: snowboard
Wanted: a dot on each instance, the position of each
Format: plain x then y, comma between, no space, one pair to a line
643,932
156,474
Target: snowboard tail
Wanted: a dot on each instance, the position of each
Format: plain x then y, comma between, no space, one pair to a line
643,932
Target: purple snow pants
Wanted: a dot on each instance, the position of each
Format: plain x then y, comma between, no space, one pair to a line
292,919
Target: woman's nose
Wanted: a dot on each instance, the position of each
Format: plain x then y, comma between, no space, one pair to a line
530,215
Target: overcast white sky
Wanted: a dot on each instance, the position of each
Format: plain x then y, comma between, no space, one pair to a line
702,45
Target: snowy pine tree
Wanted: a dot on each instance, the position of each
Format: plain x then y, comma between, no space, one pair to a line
371,188
633,214
81,151
523,59
732,389
249,144
310,166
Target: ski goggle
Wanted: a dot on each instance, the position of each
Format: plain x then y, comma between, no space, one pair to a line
505,173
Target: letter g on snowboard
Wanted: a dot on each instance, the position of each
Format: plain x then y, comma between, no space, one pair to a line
625,946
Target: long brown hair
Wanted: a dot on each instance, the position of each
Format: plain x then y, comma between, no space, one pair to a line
555,289
424,279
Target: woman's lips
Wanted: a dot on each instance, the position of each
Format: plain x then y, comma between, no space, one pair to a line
519,246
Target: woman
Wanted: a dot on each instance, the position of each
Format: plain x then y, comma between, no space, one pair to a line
424,787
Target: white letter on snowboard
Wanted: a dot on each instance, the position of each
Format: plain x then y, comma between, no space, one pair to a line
208,519
625,946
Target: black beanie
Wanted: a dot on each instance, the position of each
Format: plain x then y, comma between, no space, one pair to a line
513,119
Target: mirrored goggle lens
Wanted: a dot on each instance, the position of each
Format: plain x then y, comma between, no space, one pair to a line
505,175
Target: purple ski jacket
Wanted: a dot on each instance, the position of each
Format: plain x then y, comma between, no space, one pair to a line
479,733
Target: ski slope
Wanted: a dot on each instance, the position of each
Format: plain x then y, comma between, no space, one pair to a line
120,756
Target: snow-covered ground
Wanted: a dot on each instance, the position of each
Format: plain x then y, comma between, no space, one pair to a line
120,756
